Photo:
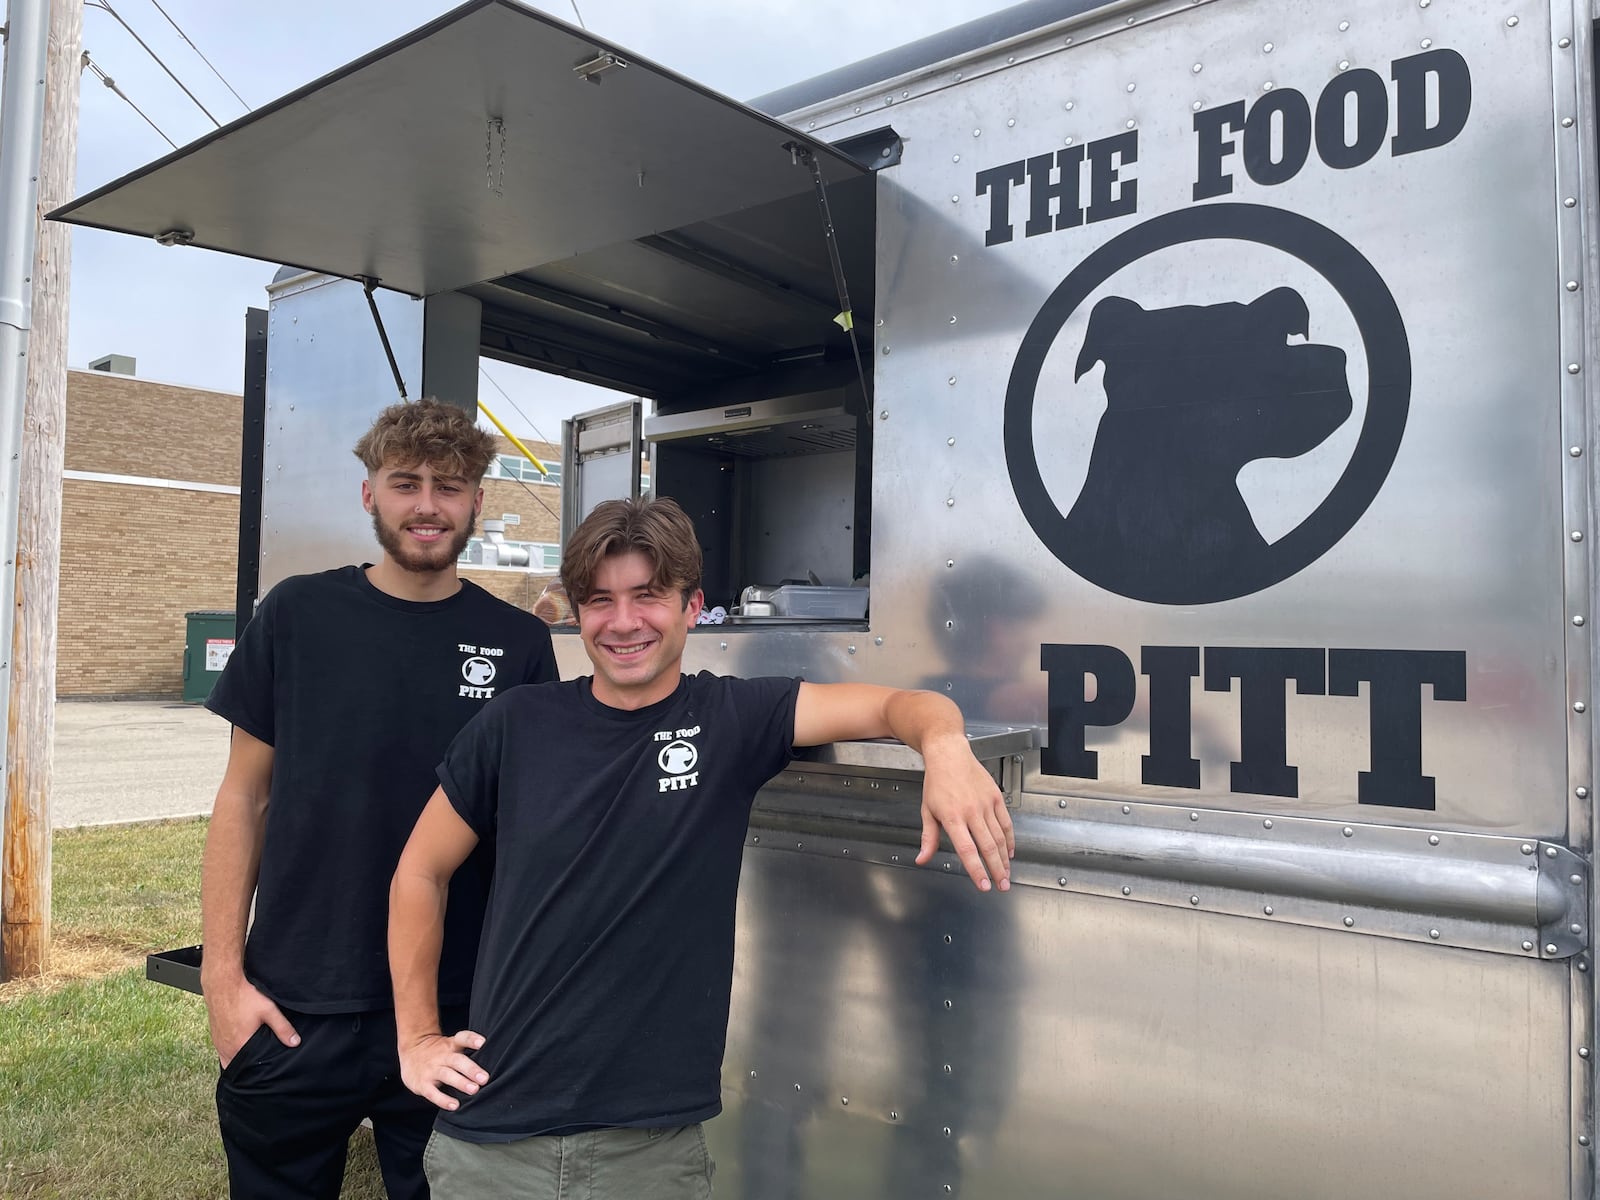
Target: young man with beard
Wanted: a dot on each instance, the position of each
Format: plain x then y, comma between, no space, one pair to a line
600,1004
344,691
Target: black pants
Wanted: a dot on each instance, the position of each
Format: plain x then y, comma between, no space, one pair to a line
287,1113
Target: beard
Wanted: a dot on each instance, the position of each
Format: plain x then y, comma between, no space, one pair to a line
422,559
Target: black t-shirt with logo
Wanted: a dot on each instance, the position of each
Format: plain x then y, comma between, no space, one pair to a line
607,957
359,693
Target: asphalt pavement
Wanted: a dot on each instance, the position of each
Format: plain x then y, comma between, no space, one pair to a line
135,760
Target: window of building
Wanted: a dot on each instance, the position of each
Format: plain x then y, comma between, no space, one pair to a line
513,466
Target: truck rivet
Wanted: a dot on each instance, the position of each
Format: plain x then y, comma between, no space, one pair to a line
1349,922
756,840
1433,839
1131,86
951,381
949,441
1527,847
949,563
1068,106
1573,368
1566,122
950,502
813,125
886,350
847,783
947,939
1575,929
954,158
752,1074
1434,934
947,866
948,1069
797,1086
1197,68
883,414
1126,809
1348,832
845,1100
1344,64
952,320
955,199
1266,824
1579,707
802,778
1427,43
1011,123
947,1131
1061,881
1424,3
1194,899
949,624
858,113
1268,86
1551,948
1267,909
1126,890
1194,816
1583,1139
1582,793
894,858
1267,49
852,649
1578,621
1511,22
1132,123
1344,26
1061,803
1575,880
1197,106
877,641
1570,202
1551,852
893,1116
1527,945
977,133
845,851
724,645
799,845
1565,43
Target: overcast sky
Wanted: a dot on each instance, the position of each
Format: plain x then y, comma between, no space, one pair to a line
180,312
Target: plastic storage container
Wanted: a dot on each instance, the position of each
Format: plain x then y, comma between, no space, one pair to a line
825,603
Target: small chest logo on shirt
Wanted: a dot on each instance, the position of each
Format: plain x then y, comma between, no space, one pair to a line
478,671
677,759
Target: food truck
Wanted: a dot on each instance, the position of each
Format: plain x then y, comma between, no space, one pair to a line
1199,393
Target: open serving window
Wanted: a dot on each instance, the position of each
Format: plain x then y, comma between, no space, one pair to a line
614,223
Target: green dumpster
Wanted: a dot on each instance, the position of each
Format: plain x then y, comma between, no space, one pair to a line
205,652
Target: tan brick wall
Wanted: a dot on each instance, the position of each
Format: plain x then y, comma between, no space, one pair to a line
514,587
120,425
133,561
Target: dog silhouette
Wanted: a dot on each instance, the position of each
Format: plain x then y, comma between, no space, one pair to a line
1193,394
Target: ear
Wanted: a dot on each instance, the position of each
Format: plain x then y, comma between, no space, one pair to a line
1106,326
366,494
692,610
1281,312
477,504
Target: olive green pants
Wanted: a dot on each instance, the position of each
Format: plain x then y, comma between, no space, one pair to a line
603,1164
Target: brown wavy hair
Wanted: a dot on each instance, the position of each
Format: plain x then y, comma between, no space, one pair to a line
659,529
444,436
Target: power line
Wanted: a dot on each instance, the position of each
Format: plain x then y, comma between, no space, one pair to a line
203,58
103,4
513,404
574,4
112,84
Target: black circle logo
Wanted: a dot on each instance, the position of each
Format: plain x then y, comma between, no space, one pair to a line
1195,393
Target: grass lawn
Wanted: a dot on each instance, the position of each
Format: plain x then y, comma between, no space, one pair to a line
106,1080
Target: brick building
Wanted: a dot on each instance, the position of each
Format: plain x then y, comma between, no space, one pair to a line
150,527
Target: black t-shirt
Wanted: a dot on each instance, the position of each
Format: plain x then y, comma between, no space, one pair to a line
607,957
359,693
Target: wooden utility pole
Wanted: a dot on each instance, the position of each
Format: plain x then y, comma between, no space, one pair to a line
25,905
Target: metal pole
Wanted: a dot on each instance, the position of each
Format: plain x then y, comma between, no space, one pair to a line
22,104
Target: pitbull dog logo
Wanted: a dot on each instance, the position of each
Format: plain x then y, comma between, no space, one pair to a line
1193,394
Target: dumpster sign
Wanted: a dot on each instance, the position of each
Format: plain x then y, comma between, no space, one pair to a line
218,651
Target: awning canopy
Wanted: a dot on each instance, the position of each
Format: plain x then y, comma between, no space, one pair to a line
621,223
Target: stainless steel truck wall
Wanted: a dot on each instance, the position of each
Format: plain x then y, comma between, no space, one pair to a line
1306,853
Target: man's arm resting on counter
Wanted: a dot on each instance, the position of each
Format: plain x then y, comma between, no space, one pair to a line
958,793
429,1059
228,875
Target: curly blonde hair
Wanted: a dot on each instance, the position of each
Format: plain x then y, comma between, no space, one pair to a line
444,436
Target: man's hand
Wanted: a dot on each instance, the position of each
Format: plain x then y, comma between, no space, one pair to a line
237,1010
433,1060
960,795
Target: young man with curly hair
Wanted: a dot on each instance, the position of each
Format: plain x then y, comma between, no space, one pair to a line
344,690
617,805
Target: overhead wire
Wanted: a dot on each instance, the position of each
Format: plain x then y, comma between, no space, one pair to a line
104,4
203,58
112,84
531,493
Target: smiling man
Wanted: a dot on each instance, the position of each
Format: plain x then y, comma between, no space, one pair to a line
343,692
600,1004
